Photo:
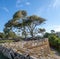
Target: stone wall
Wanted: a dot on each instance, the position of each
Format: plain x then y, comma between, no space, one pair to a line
34,49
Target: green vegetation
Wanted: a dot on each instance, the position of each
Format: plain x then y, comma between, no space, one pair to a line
24,24
54,40
2,35
42,31
6,41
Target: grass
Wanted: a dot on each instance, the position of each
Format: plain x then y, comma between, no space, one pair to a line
6,41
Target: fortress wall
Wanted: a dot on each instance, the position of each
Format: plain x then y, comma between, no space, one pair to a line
34,48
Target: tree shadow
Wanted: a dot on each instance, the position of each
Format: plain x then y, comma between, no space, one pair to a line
10,54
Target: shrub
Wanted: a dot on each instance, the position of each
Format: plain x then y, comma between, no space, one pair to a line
54,41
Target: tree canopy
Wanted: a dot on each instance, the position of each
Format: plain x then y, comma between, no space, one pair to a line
26,24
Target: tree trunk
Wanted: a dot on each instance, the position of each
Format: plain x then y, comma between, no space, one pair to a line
31,33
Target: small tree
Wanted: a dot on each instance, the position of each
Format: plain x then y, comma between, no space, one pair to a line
26,24
12,35
42,30
18,22
52,31
2,35
20,18
35,21
46,35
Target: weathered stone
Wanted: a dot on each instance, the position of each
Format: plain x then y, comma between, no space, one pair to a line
35,48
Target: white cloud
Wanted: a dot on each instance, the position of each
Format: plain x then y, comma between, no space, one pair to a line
18,3
54,4
5,9
54,27
21,3
46,8
27,3
57,28
40,11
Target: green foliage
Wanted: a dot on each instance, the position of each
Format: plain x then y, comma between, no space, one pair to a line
42,30
46,35
35,21
6,41
27,24
20,14
52,31
54,41
11,35
2,35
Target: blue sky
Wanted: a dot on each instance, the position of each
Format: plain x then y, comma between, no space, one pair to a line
48,9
